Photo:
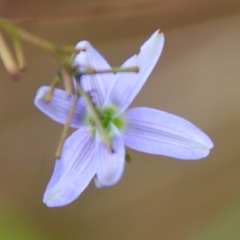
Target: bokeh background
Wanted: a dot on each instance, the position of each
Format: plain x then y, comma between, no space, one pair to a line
197,77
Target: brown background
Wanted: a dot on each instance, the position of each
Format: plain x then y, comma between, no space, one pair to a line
197,77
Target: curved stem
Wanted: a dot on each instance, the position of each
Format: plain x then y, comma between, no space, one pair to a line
58,52
95,115
66,128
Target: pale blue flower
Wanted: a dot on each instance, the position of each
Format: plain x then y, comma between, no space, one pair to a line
85,155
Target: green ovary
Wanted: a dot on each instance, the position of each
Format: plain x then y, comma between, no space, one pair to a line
107,117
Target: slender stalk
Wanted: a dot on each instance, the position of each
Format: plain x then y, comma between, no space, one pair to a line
66,128
58,52
67,81
95,115
90,71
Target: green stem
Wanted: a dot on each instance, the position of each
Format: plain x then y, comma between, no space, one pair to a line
58,52
67,81
66,128
95,115
112,70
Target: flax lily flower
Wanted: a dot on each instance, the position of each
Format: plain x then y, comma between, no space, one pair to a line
85,155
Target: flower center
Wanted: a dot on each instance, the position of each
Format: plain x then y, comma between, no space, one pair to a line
108,117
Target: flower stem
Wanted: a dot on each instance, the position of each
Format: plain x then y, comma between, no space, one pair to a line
112,70
90,71
67,81
95,115
58,52
66,128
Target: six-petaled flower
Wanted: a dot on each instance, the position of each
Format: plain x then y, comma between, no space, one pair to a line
84,154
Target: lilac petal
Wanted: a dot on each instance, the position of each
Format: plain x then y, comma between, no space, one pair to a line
157,132
97,84
127,85
110,164
73,171
59,106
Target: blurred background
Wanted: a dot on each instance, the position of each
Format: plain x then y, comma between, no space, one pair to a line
197,77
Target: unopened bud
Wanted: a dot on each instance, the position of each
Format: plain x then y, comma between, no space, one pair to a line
19,52
7,58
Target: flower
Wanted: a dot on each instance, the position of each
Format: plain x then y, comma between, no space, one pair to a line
84,153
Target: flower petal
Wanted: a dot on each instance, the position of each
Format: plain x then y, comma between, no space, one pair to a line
110,164
95,84
73,171
59,106
157,132
127,85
